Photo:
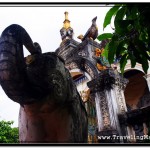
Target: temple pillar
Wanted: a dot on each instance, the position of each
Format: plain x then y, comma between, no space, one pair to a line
111,106
121,108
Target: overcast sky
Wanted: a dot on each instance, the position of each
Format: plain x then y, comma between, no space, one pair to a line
43,25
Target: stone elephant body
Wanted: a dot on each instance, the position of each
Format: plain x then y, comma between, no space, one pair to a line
51,109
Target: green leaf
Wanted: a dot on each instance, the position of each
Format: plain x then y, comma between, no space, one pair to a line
130,27
119,16
132,31
120,13
123,62
132,59
112,50
109,15
105,53
145,64
104,36
120,49
121,26
143,36
142,49
134,12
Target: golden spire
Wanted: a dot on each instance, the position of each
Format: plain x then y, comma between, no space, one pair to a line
66,21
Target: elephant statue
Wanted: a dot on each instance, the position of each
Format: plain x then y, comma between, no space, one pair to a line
51,109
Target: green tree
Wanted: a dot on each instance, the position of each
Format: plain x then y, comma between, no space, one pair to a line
7,133
131,37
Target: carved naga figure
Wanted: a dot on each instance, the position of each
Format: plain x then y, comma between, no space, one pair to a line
51,109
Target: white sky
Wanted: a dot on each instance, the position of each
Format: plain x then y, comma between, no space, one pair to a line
43,25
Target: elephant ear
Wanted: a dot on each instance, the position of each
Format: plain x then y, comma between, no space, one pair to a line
57,79
47,76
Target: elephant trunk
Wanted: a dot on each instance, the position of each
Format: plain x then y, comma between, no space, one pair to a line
12,65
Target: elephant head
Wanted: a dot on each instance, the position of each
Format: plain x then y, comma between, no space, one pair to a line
51,108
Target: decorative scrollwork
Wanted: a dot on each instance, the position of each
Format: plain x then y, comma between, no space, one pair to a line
120,83
82,53
71,66
89,70
82,64
104,109
120,99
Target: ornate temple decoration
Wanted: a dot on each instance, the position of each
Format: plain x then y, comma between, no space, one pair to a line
29,59
120,84
92,119
89,70
99,64
104,109
91,33
66,22
83,64
120,100
71,66
121,81
109,86
83,53
106,85
85,95
102,62
66,31
104,81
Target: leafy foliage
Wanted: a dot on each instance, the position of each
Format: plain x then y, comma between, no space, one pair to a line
104,36
131,37
7,133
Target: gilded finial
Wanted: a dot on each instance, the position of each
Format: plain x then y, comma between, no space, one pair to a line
66,21
66,15
66,31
